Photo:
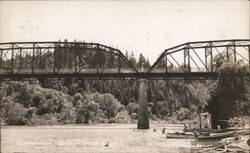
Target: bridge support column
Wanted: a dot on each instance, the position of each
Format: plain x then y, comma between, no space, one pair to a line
143,120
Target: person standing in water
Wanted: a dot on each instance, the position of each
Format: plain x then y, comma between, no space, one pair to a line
206,122
163,130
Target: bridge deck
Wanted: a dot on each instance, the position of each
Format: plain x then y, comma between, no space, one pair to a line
193,75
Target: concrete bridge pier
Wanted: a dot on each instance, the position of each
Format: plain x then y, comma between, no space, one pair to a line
143,120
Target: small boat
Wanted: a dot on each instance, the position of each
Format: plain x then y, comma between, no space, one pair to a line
207,135
211,136
223,135
178,135
208,130
201,136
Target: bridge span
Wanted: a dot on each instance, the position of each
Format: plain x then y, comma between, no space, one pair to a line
193,60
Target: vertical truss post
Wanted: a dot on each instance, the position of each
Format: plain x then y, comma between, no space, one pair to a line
163,61
227,51
97,59
54,60
40,58
119,64
209,52
249,59
187,55
33,58
20,59
59,57
189,68
166,61
75,54
12,58
211,60
1,56
234,50
184,54
211,56
206,55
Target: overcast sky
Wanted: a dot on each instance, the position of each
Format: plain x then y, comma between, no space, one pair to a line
148,27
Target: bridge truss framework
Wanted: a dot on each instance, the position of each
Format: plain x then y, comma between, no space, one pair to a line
193,60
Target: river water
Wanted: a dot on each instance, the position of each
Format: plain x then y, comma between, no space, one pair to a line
124,138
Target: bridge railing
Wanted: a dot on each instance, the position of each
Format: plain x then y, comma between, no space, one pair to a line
192,69
65,71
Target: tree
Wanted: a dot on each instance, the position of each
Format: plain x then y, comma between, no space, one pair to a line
229,92
132,59
108,103
85,107
162,109
141,61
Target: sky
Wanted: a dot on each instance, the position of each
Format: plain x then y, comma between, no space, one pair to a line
146,27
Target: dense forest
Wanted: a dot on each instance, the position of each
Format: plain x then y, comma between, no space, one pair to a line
70,101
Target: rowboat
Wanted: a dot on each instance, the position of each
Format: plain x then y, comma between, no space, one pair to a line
211,136
207,135
178,135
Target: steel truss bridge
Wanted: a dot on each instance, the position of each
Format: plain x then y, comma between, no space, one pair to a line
193,60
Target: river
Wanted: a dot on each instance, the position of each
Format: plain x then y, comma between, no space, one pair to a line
124,138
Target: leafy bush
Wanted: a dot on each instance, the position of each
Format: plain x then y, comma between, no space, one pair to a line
182,114
16,115
134,116
162,109
108,103
132,108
